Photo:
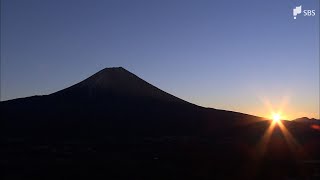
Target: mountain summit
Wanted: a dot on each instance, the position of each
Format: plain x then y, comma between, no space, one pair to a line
117,81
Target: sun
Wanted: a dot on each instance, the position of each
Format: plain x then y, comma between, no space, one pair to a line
276,117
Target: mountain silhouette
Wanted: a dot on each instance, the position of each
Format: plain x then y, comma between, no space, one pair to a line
116,125
113,97
117,82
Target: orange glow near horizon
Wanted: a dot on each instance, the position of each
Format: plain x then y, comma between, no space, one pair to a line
263,106
276,114
284,107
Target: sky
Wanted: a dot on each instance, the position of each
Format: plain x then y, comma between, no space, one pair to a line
248,56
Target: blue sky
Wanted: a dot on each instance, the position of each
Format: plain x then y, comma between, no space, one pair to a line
233,55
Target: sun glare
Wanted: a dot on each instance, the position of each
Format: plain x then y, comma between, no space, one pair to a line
276,117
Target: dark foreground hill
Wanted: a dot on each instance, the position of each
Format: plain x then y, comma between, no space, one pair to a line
115,125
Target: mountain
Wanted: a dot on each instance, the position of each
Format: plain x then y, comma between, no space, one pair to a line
115,125
105,102
117,82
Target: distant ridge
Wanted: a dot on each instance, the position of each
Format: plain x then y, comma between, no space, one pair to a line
307,120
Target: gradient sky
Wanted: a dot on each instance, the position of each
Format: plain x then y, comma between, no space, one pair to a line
244,56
